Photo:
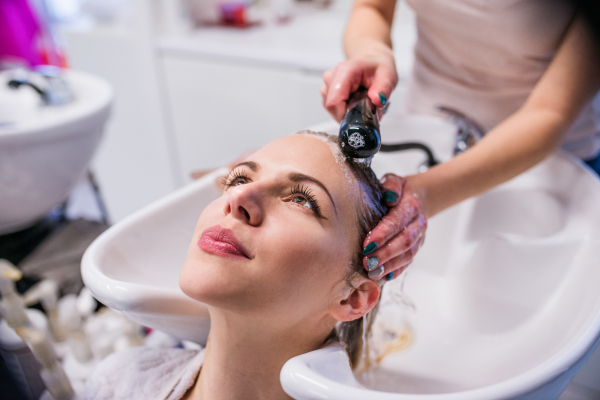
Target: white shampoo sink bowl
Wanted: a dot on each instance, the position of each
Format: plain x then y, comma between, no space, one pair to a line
506,287
44,150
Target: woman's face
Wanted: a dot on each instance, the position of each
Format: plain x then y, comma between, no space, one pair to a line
277,243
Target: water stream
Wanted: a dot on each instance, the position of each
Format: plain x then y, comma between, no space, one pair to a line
385,332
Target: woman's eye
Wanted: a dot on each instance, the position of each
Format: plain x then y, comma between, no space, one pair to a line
303,196
237,182
235,179
302,201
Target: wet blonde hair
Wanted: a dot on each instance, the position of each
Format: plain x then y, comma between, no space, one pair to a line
369,211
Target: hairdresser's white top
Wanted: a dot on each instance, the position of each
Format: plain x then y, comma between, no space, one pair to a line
144,373
483,57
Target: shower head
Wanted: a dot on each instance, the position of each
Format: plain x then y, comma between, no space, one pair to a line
360,135
359,130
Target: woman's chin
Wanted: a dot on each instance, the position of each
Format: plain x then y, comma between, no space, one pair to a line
209,284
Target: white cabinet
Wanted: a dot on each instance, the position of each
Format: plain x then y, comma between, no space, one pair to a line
134,163
220,109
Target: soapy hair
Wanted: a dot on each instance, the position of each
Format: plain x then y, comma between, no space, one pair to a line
369,211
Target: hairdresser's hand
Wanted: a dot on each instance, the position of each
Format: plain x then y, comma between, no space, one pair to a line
375,71
397,238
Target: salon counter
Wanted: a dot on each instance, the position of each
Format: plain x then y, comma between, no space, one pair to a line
311,41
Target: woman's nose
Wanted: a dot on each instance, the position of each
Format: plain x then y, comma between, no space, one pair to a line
244,203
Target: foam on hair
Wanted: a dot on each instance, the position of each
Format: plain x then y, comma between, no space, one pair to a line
330,140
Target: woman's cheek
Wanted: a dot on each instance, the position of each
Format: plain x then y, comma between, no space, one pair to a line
301,248
210,216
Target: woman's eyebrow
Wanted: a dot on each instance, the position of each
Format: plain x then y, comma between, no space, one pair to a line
298,177
250,164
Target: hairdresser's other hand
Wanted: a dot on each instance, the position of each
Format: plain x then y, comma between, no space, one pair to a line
375,71
396,239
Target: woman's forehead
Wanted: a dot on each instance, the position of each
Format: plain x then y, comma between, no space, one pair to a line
308,154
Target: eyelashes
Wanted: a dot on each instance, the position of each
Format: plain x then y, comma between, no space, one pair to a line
237,177
309,196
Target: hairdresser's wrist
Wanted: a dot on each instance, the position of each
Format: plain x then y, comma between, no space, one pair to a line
370,48
440,187
421,193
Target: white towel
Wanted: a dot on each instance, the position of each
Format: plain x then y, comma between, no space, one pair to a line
144,373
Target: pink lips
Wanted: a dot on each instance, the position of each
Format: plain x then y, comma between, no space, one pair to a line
221,241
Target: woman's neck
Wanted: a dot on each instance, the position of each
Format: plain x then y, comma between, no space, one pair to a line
244,357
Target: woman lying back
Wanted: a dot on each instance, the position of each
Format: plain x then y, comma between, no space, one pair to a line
278,261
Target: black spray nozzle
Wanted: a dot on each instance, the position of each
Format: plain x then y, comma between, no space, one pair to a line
360,135
359,129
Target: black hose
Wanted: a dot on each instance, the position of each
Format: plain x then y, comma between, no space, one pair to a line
431,161
16,83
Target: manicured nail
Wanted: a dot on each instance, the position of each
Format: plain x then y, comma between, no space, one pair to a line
389,196
376,273
372,262
389,276
370,248
382,98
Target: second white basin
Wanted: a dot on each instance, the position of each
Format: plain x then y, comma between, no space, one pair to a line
44,150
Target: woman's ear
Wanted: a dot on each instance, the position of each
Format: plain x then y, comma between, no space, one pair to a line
357,302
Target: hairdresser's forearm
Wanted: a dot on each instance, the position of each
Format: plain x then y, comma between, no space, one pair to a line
369,28
528,136
519,143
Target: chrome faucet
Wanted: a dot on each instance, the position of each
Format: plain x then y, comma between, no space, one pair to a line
469,132
47,81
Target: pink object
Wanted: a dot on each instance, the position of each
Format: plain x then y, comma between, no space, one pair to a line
22,36
234,13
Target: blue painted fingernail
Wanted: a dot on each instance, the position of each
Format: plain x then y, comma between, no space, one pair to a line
389,276
382,98
372,262
376,273
370,248
389,196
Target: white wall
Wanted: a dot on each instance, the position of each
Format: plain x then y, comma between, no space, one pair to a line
221,109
